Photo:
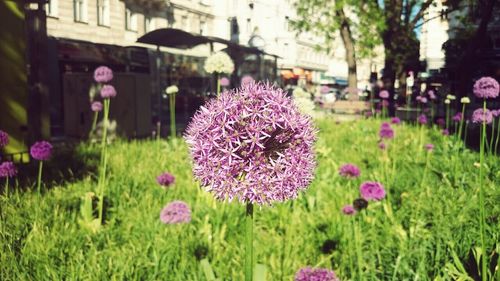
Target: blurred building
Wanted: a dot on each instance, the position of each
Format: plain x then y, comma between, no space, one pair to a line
433,34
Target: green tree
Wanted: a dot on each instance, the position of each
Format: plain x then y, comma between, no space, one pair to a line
344,19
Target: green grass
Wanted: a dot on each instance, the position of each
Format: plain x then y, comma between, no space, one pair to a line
422,231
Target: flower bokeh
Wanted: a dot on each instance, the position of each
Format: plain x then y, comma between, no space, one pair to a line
176,212
315,274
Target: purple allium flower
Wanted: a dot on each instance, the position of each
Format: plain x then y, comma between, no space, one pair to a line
486,87
418,98
383,94
495,113
4,139
253,144
386,132
429,147
108,91
480,116
348,210
422,119
382,145
175,212
359,204
7,170
423,100
378,111
247,79
368,114
432,95
349,171
96,106
457,117
41,150
324,89
385,103
441,122
315,274
445,132
224,82
372,191
166,179
395,120
103,74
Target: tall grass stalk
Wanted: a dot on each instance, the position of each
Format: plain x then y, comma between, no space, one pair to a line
492,135
103,163
498,137
94,122
482,219
173,130
39,178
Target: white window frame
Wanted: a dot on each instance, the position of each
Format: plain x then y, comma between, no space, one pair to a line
52,8
80,11
130,20
103,12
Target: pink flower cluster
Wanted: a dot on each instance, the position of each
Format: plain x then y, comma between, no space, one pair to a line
41,150
315,274
176,212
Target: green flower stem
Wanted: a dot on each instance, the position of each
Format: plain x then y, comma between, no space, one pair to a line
218,83
94,123
465,132
492,134
7,187
102,174
172,115
461,122
447,116
39,179
249,242
498,137
482,221
359,243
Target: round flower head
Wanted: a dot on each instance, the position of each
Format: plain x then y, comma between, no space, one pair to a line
224,82
103,74
429,147
359,204
176,212
451,97
441,121
495,113
349,171
247,79
480,116
465,100
447,101
432,95
422,119
7,170
315,274
423,100
386,132
253,144
171,90
165,179
382,145
219,63
96,106
486,88
348,210
108,91
372,191
41,150
395,120
383,94
418,98
457,117
4,139
445,132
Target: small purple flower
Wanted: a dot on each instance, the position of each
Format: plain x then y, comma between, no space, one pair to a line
166,179
457,117
103,74
480,116
432,95
349,171
418,98
385,103
348,210
429,147
441,122
378,111
175,212
495,113
422,119
372,191
7,170
486,87
368,114
108,91
41,150
395,120
224,82
96,106
383,94
382,145
315,274
4,139
445,132
423,100
386,132
253,144
246,80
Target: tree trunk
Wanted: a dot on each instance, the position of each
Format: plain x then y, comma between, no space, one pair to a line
350,53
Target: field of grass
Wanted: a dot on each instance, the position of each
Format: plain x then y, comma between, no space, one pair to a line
427,228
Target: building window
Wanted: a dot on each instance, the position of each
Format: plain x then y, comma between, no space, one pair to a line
51,8
184,23
80,10
130,20
103,12
149,24
203,27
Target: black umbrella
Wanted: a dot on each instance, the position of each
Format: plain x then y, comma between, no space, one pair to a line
173,38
